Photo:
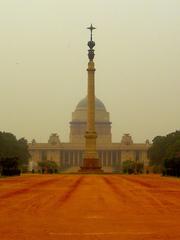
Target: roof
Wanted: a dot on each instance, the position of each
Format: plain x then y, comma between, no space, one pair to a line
99,105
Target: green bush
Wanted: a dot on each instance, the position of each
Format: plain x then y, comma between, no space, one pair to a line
130,167
48,167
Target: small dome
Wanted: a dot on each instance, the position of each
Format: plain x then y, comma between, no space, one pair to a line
99,105
54,139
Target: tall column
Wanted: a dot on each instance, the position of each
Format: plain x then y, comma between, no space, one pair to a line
91,162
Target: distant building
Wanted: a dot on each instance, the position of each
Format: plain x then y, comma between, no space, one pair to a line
70,154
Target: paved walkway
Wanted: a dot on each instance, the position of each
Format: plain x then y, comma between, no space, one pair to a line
107,207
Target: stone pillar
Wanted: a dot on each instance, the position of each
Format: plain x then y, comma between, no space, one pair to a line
107,159
91,155
64,161
73,159
91,161
111,158
117,159
102,157
78,158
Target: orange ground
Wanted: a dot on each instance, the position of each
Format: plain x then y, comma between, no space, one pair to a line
89,207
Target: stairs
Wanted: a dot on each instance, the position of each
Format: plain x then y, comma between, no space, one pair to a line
77,168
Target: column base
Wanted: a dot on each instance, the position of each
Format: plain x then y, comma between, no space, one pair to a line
91,166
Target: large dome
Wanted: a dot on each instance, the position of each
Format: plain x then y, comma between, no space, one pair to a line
82,105
80,113
79,122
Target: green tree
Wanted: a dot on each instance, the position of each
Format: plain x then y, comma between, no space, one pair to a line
157,150
13,153
164,153
23,152
130,167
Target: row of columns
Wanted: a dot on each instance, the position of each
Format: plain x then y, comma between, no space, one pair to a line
108,158
75,158
71,158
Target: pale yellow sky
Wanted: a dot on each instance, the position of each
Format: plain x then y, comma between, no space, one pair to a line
43,61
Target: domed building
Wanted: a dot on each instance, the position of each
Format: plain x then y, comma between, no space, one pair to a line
70,154
90,143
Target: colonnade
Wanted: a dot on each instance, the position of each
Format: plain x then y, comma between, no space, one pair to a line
70,158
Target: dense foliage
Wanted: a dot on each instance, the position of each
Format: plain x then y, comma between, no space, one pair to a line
132,167
48,166
164,153
14,154
172,167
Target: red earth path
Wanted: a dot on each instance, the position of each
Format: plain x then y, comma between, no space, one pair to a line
108,207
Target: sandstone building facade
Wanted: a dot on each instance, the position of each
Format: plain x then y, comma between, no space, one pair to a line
70,154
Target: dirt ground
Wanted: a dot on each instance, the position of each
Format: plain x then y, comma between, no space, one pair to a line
108,207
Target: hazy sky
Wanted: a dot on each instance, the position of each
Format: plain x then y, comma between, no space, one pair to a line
43,61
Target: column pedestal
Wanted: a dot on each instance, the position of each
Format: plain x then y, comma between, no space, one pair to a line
91,162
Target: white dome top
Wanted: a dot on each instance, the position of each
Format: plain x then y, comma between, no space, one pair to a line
80,113
99,105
